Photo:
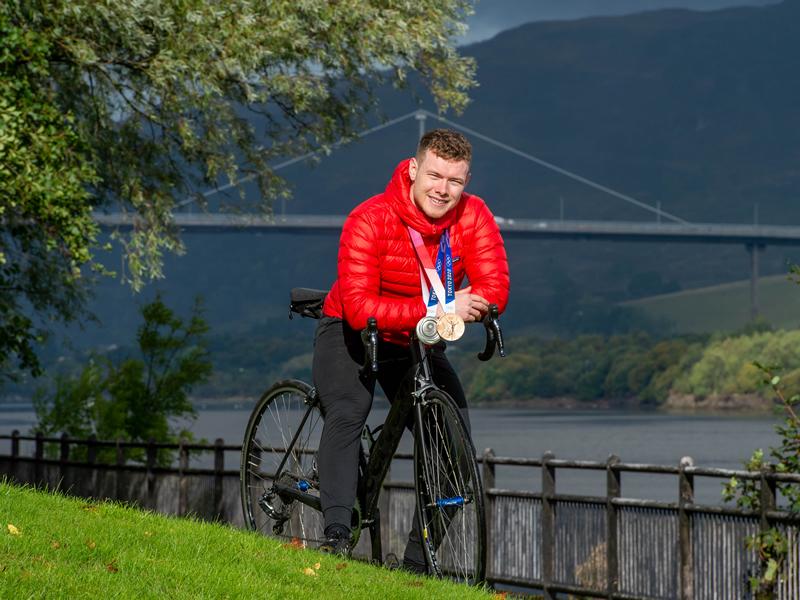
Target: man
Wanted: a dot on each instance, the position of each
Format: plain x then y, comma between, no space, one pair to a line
423,213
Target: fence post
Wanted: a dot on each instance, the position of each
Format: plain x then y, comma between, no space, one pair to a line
119,470
91,449
150,477
613,490
14,452
183,484
548,523
685,496
63,457
488,483
219,469
91,458
38,455
766,497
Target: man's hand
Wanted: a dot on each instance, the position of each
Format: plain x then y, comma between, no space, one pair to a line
470,307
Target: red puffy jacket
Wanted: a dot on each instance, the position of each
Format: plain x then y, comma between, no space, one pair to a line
378,270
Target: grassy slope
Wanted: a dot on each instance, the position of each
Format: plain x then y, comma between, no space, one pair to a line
726,307
69,548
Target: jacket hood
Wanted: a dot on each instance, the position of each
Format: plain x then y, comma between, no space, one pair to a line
399,191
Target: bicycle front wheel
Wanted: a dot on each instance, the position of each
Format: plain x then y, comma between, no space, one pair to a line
279,452
449,492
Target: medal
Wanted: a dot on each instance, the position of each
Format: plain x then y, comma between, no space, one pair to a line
450,326
427,330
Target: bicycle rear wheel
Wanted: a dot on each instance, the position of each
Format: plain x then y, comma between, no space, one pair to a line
449,493
283,433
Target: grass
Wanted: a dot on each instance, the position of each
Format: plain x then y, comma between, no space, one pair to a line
726,307
53,546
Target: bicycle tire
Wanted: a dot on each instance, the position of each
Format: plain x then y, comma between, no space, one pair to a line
273,424
450,509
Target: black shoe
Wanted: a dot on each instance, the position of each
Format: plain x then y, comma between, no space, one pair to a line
337,541
414,567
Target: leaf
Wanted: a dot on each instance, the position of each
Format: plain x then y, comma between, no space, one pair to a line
775,380
499,596
295,544
341,566
112,567
310,572
317,566
772,570
148,534
55,545
90,544
13,530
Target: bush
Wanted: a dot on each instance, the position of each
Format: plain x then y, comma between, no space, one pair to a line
136,398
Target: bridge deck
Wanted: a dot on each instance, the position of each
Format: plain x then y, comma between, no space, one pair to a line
714,233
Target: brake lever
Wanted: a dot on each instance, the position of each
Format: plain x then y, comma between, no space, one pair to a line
369,337
494,335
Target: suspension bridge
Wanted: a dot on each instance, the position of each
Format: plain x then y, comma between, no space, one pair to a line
667,227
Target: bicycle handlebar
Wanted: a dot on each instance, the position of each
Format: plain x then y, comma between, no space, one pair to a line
494,335
491,322
369,337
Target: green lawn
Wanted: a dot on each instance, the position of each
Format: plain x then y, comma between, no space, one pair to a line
52,546
726,307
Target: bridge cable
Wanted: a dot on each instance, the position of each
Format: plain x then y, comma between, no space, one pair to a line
306,156
558,169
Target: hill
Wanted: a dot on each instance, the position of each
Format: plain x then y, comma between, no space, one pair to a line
104,550
725,307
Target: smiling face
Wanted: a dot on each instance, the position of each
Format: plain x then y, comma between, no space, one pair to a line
437,184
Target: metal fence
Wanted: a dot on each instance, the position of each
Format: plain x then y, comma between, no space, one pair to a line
578,545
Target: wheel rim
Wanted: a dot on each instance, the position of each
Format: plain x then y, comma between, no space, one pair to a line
450,502
272,427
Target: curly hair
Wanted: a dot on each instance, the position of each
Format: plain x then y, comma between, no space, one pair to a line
445,143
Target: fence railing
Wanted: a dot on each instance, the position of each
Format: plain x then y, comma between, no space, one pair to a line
604,546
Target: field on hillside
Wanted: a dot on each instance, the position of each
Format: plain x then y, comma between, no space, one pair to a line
52,546
726,307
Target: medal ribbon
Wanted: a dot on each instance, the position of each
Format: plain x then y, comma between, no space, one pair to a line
433,274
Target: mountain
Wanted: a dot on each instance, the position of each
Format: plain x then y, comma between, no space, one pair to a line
497,15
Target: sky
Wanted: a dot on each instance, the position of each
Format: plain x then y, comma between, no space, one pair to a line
493,16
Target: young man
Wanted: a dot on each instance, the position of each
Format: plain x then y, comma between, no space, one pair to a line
424,209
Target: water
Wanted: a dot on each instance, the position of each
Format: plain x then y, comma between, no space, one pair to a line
712,440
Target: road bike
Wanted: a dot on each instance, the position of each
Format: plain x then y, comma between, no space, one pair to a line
280,484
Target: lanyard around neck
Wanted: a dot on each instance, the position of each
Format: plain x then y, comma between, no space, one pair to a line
433,274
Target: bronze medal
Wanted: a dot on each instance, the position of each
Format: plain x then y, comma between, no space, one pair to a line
450,326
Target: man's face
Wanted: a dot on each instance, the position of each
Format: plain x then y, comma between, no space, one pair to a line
437,183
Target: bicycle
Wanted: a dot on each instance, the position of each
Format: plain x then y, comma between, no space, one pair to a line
286,423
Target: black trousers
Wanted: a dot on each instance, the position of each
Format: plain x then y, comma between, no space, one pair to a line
346,399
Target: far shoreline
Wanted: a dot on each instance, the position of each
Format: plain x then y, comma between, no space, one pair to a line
740,405
736,405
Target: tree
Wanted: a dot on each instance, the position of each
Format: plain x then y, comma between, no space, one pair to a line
772,545
136,398
142,104
46,230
